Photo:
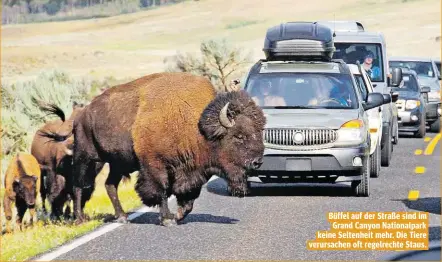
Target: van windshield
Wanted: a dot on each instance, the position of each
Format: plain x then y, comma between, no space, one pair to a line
421,68
410,84
303,90
369,55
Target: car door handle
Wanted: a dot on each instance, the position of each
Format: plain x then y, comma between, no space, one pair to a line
380,110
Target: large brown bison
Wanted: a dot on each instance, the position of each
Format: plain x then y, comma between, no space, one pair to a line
55,159
176,131
22,181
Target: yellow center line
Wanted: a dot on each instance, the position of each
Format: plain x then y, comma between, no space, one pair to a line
418,152
413,195
426,139
430,148
419,170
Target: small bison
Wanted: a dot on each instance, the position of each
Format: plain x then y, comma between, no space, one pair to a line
22,181
55,159
176,131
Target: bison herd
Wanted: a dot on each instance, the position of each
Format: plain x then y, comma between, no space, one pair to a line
173,128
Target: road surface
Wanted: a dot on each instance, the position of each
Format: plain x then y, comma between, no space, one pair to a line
276,222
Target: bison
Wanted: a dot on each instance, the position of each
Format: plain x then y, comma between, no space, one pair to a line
176,131
22,181
55,159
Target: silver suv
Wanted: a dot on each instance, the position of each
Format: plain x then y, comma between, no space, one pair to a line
317,123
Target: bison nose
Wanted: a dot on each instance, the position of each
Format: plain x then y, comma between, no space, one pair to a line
257,163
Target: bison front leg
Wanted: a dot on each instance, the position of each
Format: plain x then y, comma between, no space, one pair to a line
21,210
152,187
185,203
8,212
112,182
166,217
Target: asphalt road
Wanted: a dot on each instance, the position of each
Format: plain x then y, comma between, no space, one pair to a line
276,222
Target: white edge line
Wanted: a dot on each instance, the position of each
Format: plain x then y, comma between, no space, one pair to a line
96,233
92,235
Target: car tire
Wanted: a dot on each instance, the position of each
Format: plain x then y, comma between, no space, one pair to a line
422,129
375,163
435,126
387,151
361,188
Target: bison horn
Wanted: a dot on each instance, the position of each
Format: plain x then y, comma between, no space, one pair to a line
223,117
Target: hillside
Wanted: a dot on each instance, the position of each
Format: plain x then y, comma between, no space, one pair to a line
131,45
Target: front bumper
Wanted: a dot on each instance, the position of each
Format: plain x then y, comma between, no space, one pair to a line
325,165
433,111
409,121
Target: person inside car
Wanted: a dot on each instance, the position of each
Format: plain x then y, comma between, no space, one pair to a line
373,71
268,95
340,94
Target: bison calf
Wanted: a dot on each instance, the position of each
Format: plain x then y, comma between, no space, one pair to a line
22,181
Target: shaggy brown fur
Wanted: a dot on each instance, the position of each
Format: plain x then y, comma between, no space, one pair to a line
22,181
170,127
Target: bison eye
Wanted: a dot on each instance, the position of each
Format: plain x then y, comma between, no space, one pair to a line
239,136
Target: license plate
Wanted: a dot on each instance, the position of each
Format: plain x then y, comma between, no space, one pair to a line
298,164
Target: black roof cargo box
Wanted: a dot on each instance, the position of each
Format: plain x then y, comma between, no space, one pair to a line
299,41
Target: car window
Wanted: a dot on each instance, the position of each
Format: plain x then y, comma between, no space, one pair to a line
369,55
410,84
310,90
421,68
362,87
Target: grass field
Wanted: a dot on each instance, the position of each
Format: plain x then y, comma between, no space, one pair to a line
131,45
127,46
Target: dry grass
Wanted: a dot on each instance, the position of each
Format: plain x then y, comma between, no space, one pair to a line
136,44
45,235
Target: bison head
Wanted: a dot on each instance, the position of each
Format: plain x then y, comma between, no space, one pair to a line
232,124
26,188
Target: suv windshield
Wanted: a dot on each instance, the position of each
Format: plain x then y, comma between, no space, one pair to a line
421,68
369,55
303,90
410,84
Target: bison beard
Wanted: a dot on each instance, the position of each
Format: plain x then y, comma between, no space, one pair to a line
176,131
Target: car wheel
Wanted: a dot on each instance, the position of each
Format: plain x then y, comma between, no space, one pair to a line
361,188
396,136
422,129
386,151
375,163
435,126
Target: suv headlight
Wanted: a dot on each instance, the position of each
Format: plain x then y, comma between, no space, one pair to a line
434,95
412,104
351,133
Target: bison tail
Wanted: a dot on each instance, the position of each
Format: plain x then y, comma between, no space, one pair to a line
54,136
126,178
51,109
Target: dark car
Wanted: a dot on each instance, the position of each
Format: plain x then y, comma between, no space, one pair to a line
411,104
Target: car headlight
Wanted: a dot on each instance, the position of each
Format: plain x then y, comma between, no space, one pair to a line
412,104
351,133
434,95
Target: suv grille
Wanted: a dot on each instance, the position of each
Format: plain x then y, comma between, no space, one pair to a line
307,137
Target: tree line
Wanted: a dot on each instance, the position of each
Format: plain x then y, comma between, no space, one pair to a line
25,11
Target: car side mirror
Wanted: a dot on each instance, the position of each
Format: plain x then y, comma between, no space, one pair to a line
438,76
387,98
373,100
394,97
396,77
425,89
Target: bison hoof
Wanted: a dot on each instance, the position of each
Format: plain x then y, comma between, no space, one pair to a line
168,222
121,219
